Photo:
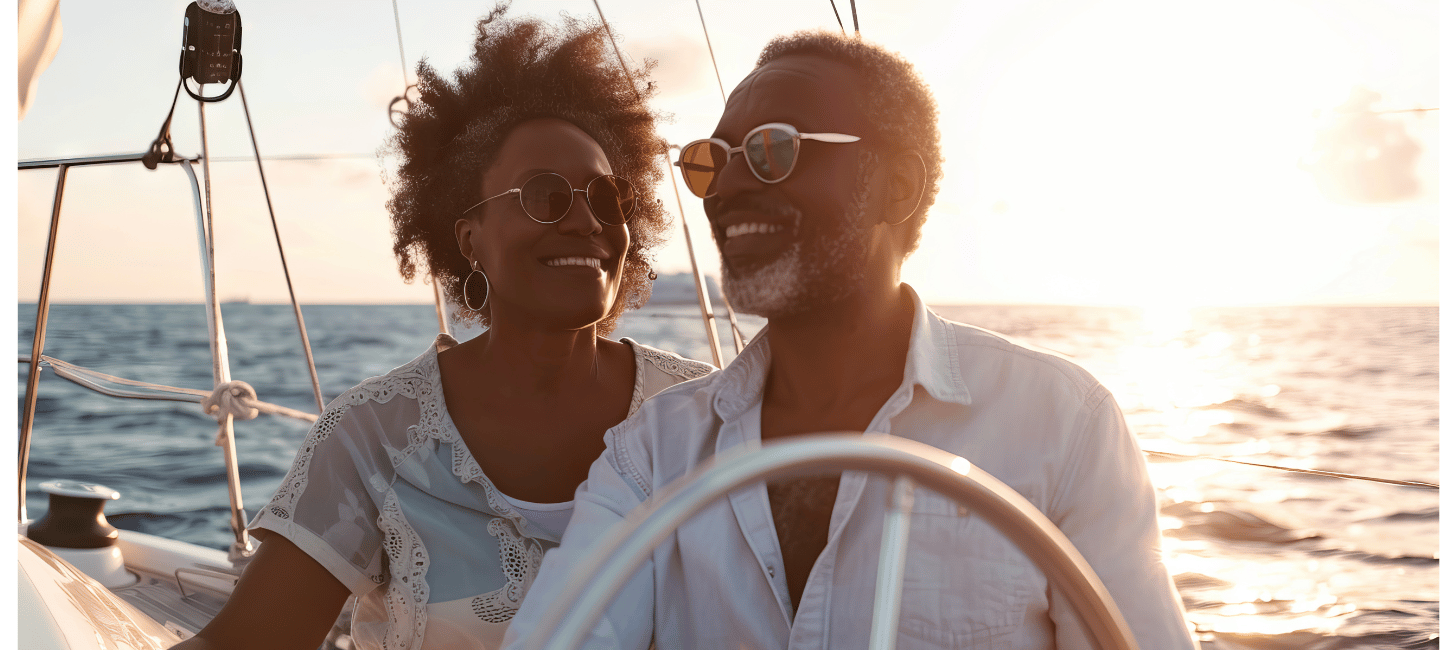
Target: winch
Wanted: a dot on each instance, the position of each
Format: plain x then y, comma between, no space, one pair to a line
76,530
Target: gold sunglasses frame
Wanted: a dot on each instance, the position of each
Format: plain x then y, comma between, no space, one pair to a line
795,136
625,217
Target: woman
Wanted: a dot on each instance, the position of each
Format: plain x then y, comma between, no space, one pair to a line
430,493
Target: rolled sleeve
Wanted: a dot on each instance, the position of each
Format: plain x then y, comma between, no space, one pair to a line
354,579
326,505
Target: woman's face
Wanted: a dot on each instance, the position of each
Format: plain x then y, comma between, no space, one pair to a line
562,275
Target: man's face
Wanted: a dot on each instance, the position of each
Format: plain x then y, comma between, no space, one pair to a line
790,247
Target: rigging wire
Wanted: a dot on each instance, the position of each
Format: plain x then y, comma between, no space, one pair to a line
615,45
713,64
1398,110
1298,470
296,156
285,267
404,67
444,322
837,16
361,156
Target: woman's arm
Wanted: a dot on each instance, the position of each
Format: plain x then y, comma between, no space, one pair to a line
285,599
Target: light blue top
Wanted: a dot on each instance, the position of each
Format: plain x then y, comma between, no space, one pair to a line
385,495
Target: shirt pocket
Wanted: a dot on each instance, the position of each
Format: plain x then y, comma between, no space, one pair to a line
966,585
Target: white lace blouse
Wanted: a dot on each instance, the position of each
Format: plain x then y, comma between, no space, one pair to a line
385,495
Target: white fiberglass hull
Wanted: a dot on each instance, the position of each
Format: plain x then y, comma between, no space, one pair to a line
61,608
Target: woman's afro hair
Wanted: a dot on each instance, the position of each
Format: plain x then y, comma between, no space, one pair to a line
521,69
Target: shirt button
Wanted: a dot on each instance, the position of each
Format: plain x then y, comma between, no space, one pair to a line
770,570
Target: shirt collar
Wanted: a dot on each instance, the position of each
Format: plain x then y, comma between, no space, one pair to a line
930,362
743,381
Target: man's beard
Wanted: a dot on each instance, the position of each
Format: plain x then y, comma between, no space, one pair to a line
825,264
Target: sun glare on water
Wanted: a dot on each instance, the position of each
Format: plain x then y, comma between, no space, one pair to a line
1179,381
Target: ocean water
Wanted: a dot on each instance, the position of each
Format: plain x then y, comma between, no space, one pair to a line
1263,558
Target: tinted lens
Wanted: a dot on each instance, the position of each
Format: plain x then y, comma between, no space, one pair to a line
700,164
612,199
546,197
771,153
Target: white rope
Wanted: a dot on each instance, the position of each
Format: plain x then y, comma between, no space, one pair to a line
132,389
234,398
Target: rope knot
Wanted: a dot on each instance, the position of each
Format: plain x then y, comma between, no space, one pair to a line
233,398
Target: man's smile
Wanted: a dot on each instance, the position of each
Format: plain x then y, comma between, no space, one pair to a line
752,228
748,238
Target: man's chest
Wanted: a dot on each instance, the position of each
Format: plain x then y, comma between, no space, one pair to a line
964,582
801,509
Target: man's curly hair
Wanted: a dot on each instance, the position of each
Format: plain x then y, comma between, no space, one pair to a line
521,69
893,99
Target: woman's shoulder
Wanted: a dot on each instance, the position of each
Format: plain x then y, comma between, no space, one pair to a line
408,380
669,363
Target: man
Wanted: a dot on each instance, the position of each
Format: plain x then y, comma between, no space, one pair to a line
814,215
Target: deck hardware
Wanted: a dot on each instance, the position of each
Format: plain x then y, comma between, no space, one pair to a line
206,573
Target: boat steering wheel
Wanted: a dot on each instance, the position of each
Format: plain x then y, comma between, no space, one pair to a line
624,549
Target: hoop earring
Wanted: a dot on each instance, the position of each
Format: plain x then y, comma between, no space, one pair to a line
465,287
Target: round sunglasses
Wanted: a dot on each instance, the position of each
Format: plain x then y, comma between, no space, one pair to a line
771,151
546,198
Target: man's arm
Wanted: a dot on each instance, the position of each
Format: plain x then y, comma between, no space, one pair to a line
609,493
1105,504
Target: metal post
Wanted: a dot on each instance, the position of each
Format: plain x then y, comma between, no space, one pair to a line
890,577
735,336
37,346
225,437
299,317
80,161
702,293
440,306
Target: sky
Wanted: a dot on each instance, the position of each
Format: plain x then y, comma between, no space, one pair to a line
1107,152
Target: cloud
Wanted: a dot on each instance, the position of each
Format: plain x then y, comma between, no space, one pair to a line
1362,156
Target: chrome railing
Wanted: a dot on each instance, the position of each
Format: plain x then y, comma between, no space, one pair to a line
42,308
242,547
616,556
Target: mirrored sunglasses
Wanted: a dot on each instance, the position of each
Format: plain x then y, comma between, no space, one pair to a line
546,198
771,151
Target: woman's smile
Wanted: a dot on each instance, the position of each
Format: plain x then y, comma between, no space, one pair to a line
592,262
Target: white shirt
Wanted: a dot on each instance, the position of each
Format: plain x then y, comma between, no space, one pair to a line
1037,422
385,495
